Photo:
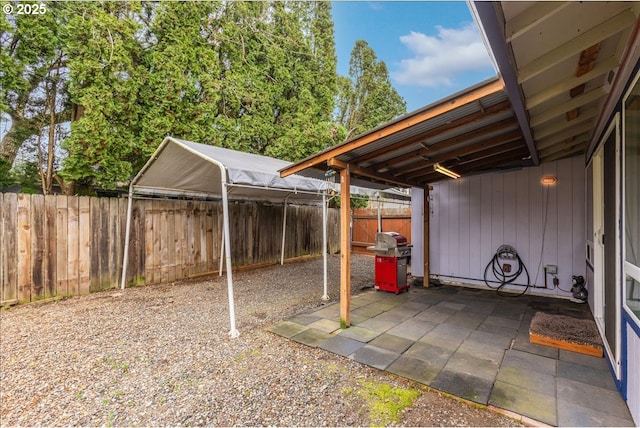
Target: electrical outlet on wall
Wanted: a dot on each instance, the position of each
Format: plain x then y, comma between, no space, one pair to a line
551,269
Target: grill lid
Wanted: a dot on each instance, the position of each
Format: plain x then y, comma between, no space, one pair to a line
390,240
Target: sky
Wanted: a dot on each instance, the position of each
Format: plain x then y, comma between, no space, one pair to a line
431,49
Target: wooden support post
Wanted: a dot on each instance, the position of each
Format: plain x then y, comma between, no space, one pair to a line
425,240
345,249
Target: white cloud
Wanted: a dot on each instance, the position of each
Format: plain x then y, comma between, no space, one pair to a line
438,60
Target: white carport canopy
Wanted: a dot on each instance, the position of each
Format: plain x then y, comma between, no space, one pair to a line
185,168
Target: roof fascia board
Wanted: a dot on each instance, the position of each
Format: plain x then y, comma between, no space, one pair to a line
395,126
486,16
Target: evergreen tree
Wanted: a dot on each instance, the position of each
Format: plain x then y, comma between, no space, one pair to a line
33,78
366,99
107,73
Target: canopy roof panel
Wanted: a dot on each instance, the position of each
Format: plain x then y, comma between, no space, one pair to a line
185,168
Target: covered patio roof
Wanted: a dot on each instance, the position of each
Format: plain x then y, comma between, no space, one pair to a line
557,62
470,131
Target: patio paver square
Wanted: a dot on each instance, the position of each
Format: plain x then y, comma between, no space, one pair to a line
287,329
304,319
496,325
529,380
435,314
311,337
525,361
463,385
584,360
359,333
415,369
341,345
412,329
330,311
392,343
370,310
377,324
435,355
538,406
375,357
470,365
588,375
451,305
523,343
574,415
325,325
465,319
593,397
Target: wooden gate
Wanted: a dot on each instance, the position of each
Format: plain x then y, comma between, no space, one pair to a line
365,226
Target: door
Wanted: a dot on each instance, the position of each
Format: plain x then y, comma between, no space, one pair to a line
606,242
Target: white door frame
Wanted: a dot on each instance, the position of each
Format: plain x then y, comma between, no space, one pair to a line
612,244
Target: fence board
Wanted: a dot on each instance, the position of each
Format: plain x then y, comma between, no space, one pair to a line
104,237
73,246
63,241
164,245
96,232
50,265
8,278
148,242
24,248
84,245
60,246
37,247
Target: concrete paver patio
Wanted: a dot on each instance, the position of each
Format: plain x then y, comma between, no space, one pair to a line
473,344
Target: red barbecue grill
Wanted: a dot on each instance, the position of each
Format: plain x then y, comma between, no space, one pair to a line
392,252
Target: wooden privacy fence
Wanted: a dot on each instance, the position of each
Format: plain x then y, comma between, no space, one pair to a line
72,245
365,226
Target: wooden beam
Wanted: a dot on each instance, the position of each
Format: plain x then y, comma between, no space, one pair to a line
395,127
345,249
410,173
574,151
563,86
566,146
570,131
477,166
369,173
561,109
480,116
587,38
563,124
531,17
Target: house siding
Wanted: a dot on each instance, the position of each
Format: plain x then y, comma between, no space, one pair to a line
472,216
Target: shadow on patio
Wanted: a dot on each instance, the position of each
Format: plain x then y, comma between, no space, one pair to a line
473,344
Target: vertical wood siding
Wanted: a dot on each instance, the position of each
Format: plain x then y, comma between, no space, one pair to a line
66,245
633,373
472,216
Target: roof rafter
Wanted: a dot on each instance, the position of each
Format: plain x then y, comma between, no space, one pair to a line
395,126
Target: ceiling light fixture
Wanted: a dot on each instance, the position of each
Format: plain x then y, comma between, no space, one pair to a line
442,170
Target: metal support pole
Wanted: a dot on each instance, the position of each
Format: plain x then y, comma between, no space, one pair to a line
379,216
325,296
127,233
284,230
225,214
221,252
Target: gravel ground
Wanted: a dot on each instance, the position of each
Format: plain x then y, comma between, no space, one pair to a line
160,355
